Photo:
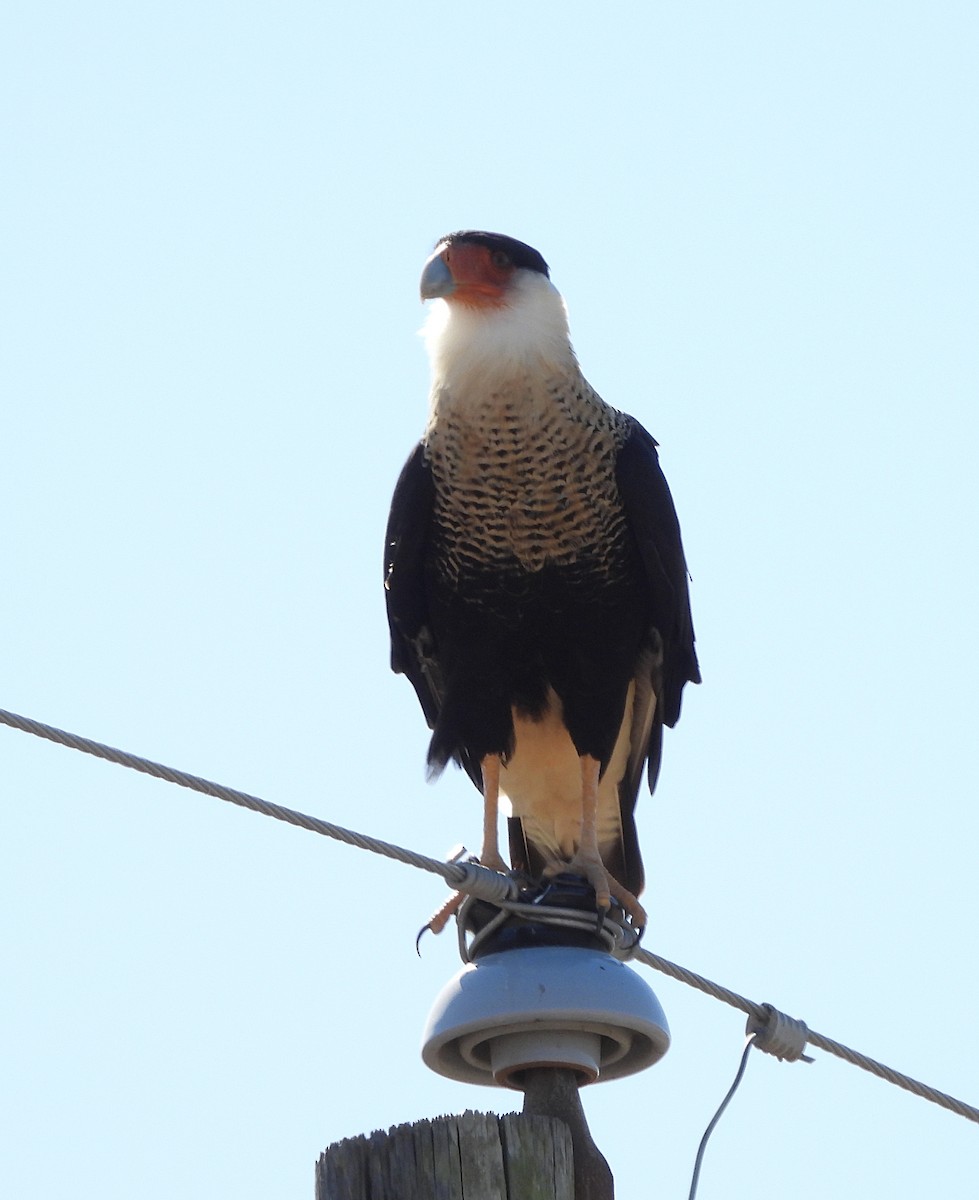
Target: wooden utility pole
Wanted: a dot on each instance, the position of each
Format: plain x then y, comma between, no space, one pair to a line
478,1156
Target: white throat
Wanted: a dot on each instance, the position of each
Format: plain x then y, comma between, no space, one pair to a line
487,346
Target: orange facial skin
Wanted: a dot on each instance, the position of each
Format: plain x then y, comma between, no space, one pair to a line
481,275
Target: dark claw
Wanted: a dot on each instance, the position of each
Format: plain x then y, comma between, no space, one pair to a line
421,933
600,923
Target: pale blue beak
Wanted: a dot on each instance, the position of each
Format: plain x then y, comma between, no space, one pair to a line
436,278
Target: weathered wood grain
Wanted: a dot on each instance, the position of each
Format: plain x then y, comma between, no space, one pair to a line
475,1156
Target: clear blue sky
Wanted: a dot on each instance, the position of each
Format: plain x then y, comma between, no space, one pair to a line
763,217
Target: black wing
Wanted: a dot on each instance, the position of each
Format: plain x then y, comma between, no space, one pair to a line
405,548
672,663
414,644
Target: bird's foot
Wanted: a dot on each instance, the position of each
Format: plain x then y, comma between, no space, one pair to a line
441,917
634,910
607,887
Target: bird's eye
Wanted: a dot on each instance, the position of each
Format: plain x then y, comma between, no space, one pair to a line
500,258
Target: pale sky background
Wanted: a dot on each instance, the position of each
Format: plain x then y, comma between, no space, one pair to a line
763,217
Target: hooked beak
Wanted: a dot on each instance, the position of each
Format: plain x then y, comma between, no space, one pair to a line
436,280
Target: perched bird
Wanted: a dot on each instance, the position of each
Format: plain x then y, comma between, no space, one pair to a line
535,579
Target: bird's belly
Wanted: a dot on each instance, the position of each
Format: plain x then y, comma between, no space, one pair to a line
542,782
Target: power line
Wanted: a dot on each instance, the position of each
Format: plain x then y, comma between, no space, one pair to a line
789,1036
465,876
777,1034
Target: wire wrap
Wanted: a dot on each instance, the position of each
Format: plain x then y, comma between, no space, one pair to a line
782,1036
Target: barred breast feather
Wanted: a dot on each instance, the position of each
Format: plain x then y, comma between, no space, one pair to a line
527,478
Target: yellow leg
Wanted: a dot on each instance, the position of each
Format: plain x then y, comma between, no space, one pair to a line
587,860
490,855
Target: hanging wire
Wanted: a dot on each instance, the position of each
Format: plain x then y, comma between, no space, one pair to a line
698,1162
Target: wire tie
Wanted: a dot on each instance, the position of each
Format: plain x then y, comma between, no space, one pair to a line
780,1035
484,883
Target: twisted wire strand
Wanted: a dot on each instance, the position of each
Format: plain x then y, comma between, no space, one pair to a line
760,1013
692,979
472,879
463,876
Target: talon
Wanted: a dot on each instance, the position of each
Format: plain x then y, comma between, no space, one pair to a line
607,888
634,910
439,919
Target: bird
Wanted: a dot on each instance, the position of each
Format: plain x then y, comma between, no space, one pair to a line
536,587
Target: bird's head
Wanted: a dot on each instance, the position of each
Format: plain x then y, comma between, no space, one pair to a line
479,270
495,309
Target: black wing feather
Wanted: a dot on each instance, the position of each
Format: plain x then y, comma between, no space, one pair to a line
652,518
414,649
405,548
